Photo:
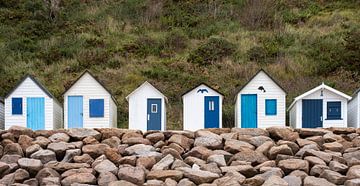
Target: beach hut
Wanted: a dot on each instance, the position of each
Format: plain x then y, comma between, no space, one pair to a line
321,106
89,104
2,113
202,108
354,110
29,104
147,108
260,103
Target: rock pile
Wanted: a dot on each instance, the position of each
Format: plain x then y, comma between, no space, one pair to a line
119,157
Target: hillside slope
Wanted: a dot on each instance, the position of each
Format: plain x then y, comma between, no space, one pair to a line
177,44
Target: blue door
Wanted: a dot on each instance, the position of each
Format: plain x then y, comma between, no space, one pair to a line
75,112
154,114
212,112
248,111
35,112
312,113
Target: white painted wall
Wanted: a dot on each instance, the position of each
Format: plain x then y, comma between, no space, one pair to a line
138,106
327,96
58,115
292,116
273,91
193,108
89,88
2,116
26,89
354,111
113,113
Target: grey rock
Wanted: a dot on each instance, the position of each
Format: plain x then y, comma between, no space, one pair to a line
44,156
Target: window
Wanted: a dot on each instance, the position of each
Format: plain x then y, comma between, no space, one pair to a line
153,108
211,106
16,106
270,107
334,110
96,108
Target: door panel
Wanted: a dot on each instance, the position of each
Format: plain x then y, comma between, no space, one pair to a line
35,112
154,114
248,111
75,112
212,111
312,113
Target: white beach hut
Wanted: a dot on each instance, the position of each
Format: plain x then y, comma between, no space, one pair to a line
29,104
147,108
2,113
88,104
321,106
260,103
354,110
202,108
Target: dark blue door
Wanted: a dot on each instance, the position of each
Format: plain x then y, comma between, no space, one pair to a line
248,111
35,112
212,112
312,113
75,112
154,114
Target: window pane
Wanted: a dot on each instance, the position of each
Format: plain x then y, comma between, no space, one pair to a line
270,107
334,110
153,108
16,106
96,107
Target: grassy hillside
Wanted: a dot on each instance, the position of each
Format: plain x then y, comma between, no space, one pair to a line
177,44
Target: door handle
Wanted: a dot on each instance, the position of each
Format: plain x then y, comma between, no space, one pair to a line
321,118
148,117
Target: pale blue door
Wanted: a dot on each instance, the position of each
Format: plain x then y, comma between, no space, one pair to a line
154,114
248,111
35,113
75,112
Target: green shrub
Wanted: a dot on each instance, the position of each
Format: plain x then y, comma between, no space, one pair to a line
176,40
213,50
352,50
257,54
144,46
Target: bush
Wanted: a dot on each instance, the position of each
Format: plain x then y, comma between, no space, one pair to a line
257,54
212,51
144,46
352,50
176,40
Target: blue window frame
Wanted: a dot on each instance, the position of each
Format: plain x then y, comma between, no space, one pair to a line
16,106
333,110
96,108
270,107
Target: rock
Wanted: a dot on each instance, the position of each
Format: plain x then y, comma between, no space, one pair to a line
113,142
293,180
192,160
334,146
333,177
95,150
199,152
211,167
199,176
171,151
59,137
267,172
181,140
298,173
135,175
109,132
131,134
17,131
282,149
20,175
9,159
70,154
64,166
46,172
8,179
246,170
113,155
164,174
246,154
81,133
42,141
316,170
31,149
82,178
251,132
304,142
258,140
31,165
264,148
305,132
60,148
282,133
77,171
130,160
105,178
136,140
170,182
3,167
313,181
164,163
322,155
13,148
31,182
155,137
219,159
294,147
50,181
353,172
254,181
85,158
349,155
106,166
140,149
121,183
313,160
24,142
146,162
179,163
234,146
44,156
90,140
293,164
185,182
208,142
353,182
275,180
338,167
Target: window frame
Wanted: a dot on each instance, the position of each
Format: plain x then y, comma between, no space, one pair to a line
20,112
330,106
267,110
152,108
96,113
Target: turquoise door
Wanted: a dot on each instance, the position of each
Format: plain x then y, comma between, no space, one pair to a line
212,111
35,113
75,112
154,114
248,111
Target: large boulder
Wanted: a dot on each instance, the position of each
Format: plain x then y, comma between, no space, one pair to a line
313,181
199,176
82,178
95,150
246,154
282,133
44,156
81,133
17,131
135,175
164,163
164,174
31,165
181,140
290,165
